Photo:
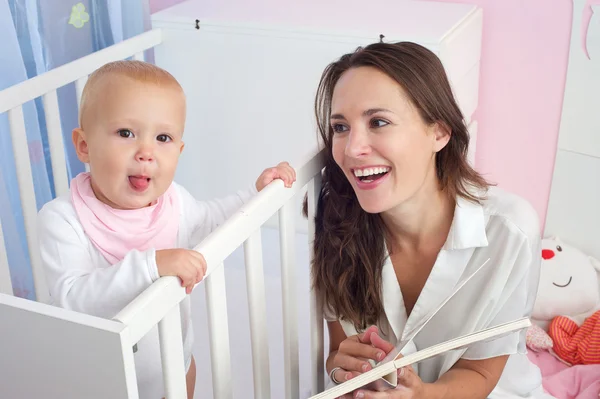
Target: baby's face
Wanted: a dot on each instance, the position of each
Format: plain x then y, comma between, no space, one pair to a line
133,133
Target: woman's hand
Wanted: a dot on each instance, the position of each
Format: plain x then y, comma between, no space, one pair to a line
354,353
410,386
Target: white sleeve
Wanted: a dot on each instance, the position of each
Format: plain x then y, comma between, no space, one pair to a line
75,282
208,215
516,301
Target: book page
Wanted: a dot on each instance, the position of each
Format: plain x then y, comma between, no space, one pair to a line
384,369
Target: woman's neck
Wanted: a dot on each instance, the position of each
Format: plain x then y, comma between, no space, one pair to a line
422,223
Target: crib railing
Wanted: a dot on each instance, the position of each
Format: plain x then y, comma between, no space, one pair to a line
160,301
158,305
46,86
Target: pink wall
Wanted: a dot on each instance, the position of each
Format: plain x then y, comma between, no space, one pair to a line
523,70
157,5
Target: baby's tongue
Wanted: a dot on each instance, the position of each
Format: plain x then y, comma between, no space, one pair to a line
139,183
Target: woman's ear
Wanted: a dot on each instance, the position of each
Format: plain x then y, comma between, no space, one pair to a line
80,144
441,134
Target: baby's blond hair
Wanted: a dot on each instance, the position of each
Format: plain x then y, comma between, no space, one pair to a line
136,70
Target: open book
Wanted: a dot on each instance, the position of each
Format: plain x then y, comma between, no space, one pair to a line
384,376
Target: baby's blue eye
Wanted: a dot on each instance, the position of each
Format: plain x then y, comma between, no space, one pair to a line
125,133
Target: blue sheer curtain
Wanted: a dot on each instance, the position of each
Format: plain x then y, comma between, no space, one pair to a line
37,36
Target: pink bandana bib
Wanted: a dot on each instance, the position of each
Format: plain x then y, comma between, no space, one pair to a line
115,232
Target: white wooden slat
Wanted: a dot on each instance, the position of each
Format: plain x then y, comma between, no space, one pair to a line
290,309
5,281
65,74
171,352
55,142
139,56
28,204
257,307
79,86
316,307
218,331
151,306
230,235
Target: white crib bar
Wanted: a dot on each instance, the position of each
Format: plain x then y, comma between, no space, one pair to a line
27,192
287,237
79,86
257,308
65,74
218,331
316,307
171,352
5,281
139,56
55,142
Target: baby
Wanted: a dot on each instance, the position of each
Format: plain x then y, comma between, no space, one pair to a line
126,223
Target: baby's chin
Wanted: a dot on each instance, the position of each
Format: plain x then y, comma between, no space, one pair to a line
134,203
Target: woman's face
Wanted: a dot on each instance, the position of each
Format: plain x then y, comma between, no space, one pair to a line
380,141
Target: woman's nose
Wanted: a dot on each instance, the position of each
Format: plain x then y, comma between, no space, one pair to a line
358,144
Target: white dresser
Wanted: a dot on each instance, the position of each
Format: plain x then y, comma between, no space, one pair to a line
250,71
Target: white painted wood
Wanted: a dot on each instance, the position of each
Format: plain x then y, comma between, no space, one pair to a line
231,234
316,307
27,193
257,308
139,56
52,353
171,352
407,23
151,306
218,329
79,86
580,122
573,213
65,74
272,48
55,142
5,281
289,300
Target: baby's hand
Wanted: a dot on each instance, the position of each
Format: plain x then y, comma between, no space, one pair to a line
282,171
187,264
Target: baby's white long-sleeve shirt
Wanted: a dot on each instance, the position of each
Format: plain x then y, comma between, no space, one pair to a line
79,278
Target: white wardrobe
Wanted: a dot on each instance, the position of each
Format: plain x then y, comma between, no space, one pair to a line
251,69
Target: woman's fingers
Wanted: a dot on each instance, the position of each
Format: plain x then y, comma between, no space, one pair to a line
350,356
381,343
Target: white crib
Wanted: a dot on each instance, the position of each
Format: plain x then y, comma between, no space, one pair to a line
54,353
51,352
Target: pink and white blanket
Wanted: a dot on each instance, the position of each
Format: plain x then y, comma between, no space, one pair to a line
567,382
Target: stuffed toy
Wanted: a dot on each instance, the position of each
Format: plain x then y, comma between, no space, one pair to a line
568,285
568,295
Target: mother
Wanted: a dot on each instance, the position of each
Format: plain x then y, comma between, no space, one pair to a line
403,219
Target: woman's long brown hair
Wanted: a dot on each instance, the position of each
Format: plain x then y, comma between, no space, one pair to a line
349,246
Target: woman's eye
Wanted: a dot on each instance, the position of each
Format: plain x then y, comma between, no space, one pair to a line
163,138
125,133
378,123
339,128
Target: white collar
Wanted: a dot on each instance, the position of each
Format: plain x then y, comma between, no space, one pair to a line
467,233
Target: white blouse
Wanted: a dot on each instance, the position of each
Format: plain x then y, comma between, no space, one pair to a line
505,229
